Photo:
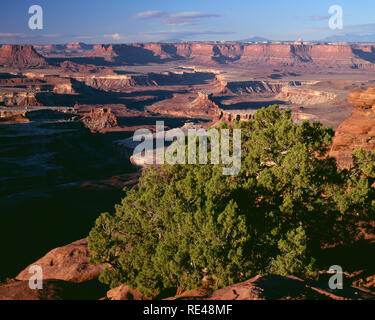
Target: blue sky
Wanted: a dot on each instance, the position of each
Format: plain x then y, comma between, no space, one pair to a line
119,21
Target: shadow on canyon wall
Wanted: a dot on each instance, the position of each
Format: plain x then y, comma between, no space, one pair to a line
53,185
135,100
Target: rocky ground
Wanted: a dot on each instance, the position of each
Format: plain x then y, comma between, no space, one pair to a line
68,274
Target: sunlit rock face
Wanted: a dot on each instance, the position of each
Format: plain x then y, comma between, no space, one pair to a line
358,131
354,56
21,56
363,99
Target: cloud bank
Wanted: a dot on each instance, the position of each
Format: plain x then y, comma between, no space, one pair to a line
175,19
182,34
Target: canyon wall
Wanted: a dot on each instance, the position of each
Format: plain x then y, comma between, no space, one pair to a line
18,98
339,55
26,91
255,87
357,131
210,53
21,56
304,96
120,82
363,99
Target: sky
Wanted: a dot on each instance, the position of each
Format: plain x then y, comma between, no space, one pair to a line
124,21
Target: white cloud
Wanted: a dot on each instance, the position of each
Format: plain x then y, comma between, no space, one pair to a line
115,36
182,34
175,19
12,35
52,35
319,18
149,14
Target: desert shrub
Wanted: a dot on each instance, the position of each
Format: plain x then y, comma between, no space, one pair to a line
185,224
293,259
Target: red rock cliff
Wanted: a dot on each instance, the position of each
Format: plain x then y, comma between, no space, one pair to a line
242,53
357,131
21,56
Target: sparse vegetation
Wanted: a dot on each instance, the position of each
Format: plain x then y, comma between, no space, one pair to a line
186,224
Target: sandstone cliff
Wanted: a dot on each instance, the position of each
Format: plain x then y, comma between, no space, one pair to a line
363,99
21,56
357,131
354,56
68,263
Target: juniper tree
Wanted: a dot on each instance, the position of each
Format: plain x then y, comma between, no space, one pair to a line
186,224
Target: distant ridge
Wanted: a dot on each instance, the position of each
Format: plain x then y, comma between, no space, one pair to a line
351,38
254,39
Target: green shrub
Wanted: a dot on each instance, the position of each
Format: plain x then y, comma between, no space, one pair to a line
185,224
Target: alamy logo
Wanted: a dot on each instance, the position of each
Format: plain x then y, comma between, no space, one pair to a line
190,148
36,280
36,20
336,21
336,282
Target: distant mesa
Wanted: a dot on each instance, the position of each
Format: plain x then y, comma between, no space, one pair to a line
135,53
70,49
21,56
78,46
72,67
350,56
239,53
103,51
